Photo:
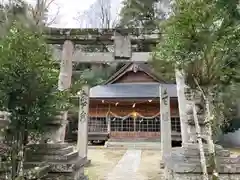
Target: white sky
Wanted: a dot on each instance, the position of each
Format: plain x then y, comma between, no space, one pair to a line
68,9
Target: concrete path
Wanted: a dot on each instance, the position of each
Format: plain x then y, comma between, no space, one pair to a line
127,167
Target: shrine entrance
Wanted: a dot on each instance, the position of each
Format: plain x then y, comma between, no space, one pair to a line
135,126
126,119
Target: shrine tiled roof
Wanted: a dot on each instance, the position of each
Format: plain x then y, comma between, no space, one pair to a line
131,90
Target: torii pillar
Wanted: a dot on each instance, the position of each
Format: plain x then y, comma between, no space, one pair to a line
165,117
182,105
65,79
83,115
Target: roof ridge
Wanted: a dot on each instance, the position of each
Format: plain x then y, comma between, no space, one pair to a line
117,73
143,66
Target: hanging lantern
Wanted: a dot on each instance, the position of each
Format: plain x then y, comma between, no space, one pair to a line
134,114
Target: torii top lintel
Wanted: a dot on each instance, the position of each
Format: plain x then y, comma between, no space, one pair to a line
122,39
89,36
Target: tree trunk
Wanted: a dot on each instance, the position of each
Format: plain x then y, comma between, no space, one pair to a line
20,170
209,117
211,146
200,143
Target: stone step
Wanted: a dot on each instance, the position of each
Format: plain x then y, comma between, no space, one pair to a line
134,145
61,151
36,172
135,140
69,166
186,167
63,166
195,146
196,159
66,176
80,162
48,146
190,152
29,165
53,158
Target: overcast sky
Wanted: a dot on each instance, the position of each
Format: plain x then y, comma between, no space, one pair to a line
68,10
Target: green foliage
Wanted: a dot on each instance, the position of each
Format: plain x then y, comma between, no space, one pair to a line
93,77
28,80
15,10
201,39
28,89
140,13
20,10
204,41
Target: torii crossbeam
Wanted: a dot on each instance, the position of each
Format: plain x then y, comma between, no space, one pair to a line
122,40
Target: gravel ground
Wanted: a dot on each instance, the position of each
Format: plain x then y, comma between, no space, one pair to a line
104,161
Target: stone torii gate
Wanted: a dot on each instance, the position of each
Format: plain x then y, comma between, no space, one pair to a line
122,41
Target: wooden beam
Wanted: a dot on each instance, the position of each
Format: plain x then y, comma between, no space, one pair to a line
103,57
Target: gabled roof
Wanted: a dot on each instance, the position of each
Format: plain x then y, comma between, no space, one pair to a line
134,89
131,90
133,67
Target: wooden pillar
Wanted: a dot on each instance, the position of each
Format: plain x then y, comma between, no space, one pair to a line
108,120
108,124
166,142
180,80
82,142
134,119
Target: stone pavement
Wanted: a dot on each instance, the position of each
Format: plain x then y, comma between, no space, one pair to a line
127,167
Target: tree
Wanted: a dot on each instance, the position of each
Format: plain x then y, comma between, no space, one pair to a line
145,15
40,13
28,89
32,14
100,15
142,14
203,41
10,11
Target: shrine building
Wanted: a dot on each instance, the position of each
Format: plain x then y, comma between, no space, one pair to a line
127,105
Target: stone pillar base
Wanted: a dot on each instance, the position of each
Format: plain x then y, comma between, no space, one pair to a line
184,164
177,176
64,162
